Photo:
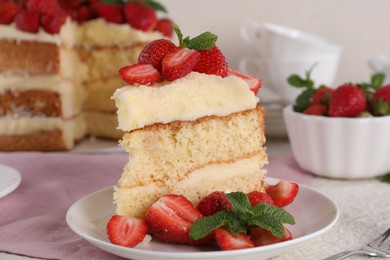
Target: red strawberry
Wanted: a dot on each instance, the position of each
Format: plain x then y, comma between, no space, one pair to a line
110,12
257,197
214,202
139,74
320,96
84,13
140,15
8,11
27,21
283,193
179,62
126,231
71,4
164,26
52,23
155,51
262,237
228,241
317,110
380,102
254,83
212,62
347,101
44,6
170,219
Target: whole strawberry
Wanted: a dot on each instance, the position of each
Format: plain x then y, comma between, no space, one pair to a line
140,15
347,101
380,101
212,62
155,51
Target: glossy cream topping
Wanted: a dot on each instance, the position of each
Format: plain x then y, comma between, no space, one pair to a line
189,98
94,32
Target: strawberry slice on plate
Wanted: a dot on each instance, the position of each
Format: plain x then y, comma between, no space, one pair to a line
170,219
283,193
257,197
262,237
139,74
229,241
254,83
179,62
126,231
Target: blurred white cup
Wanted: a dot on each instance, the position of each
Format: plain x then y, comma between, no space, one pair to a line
280,42
274,73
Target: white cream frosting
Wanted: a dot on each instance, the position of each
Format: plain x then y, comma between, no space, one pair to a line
189,98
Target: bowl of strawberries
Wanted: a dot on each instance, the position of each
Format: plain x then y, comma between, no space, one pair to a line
341,132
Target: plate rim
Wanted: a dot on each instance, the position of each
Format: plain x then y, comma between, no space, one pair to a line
220,253
17,179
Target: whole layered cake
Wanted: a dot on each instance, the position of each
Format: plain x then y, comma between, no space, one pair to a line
58,68
192,126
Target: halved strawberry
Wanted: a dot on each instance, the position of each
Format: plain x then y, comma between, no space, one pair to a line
317,110
170,219
228,241
140,15
8,11
155,51
214,202
139,74
262,237
110,12
254,83
179,62
126,231
283,193
27,21
212,62
164,26
257,197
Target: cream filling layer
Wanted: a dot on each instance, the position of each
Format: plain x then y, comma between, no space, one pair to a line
189,98
72,95
72,128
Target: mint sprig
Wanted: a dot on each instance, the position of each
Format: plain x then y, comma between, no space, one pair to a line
385,178
204,41
243,216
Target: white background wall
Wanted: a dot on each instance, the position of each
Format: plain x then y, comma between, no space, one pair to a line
362,27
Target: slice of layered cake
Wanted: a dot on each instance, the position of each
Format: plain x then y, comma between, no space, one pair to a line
192,126
57,74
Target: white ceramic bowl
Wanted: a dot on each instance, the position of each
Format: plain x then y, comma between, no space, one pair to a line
345,148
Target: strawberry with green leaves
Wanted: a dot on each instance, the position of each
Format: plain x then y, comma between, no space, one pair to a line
347,101
380,101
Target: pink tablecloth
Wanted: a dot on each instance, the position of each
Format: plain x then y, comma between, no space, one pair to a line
32,218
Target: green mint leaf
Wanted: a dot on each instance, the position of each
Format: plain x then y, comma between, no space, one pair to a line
112,1
178,33
270,218
155,5
377,80
296,81
204,226
204,41
303,100
385,178
240,204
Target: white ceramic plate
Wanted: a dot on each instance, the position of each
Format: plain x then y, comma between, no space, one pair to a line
314,214
9,180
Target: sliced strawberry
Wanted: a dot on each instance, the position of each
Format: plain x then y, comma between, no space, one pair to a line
228,241
170,219
164,26
316,110
110,12
257,197
155,51
179,62
214,202
126,231
8,11
262,237
254,83
140,15
139,74
52,23
27,21
44,6
212,62
283,193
